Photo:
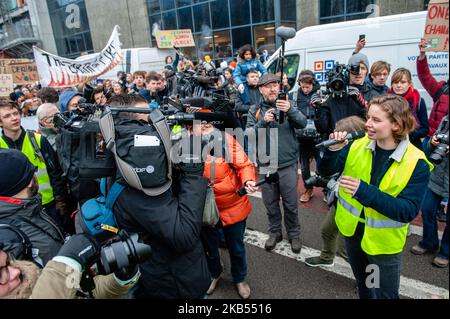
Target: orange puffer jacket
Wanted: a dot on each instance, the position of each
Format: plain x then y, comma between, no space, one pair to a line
228,179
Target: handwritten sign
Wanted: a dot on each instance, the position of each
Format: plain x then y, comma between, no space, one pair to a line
5,63
436,29
167,39
24,73
6,84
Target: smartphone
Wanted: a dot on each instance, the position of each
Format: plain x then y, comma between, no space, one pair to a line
362,37
282,96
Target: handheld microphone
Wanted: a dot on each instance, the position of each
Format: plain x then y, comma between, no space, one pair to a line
350,136
270,178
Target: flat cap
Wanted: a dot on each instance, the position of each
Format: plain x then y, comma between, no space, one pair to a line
268,78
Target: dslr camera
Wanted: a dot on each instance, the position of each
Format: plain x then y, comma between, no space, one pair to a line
441,150
338,79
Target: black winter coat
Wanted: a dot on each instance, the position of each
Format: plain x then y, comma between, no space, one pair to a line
171,225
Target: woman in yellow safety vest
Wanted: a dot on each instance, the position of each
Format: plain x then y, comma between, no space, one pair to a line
382,185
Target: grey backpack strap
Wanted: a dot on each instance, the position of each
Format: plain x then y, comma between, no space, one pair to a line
128,173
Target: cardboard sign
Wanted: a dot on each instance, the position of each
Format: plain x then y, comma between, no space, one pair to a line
436,29
5,63
24,73
55,71
6,84
167,39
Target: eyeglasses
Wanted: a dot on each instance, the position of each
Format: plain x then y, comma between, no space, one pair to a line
49,119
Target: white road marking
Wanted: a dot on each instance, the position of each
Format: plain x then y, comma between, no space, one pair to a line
410,288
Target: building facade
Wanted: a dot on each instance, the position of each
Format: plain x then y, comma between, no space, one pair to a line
71,28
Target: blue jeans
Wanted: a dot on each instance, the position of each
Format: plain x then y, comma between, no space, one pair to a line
370,285
430,240
234,238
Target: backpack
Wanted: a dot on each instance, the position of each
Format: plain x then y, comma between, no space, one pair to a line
96,215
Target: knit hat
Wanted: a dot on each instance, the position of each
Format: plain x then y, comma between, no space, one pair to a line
16,172
64,99
357,58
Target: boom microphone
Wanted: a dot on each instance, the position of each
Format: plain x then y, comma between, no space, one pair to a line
286,33
350,136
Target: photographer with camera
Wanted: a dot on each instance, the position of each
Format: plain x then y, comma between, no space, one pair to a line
307,137
62,277
38,150
380,191
170,222
263,116
437,190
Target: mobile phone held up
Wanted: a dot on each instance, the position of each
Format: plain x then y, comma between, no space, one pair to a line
362,37
281,96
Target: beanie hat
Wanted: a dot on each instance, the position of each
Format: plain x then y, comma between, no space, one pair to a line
357,58
16,172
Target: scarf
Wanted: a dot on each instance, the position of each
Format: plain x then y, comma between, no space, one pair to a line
411,96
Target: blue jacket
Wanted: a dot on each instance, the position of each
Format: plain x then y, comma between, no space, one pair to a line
379,90
65,98
403,208
243,68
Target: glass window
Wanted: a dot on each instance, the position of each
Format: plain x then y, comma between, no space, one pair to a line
290,66
153,6
241,36
263,10
182,3
156,23
201,17
88,41
265,38
185,18
329,8
240,12
168,4
169,20
358,6
288,10
204,45
222,45
219,12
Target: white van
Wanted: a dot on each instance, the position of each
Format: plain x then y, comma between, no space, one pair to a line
139,59
393,39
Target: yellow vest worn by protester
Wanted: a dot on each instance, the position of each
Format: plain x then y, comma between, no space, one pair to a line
45,188
382,235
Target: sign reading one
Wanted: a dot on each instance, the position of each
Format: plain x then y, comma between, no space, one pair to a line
436,29
167,39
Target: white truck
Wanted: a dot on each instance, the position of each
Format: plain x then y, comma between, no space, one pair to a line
138,59
393,39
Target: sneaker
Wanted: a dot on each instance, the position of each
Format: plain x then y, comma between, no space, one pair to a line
417,250
296,245
243,290
307,195
213,286
317,261
272,241
440,262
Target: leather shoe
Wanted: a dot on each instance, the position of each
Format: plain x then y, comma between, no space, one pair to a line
306,196
296,245
212,286
417,250
272,241
243,290
440,262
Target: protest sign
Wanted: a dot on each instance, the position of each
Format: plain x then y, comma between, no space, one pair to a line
436,29
6,84
55,71
5,63
167,39
24,73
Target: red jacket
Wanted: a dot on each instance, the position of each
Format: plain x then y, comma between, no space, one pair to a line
440,108
228,179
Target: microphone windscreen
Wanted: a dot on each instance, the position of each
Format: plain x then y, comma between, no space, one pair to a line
286,33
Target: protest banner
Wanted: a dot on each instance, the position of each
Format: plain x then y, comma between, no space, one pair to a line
6,84
436,29
24,73
5,63
55,71
167,39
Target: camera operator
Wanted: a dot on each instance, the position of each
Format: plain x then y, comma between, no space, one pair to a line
437,190
262,117
60,279
68,101
171,224
308,137
45,114
38,150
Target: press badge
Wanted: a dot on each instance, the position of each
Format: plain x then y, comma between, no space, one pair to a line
146,140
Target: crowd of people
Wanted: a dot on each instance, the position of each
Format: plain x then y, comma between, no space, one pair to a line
375,183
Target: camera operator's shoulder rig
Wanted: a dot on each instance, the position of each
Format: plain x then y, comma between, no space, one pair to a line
142,161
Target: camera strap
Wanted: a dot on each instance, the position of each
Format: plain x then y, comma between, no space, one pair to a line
129,174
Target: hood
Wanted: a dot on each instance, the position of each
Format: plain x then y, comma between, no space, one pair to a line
26,207
371,85
65,98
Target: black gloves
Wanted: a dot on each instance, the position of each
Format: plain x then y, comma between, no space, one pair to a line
127,273
81,247
316,100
